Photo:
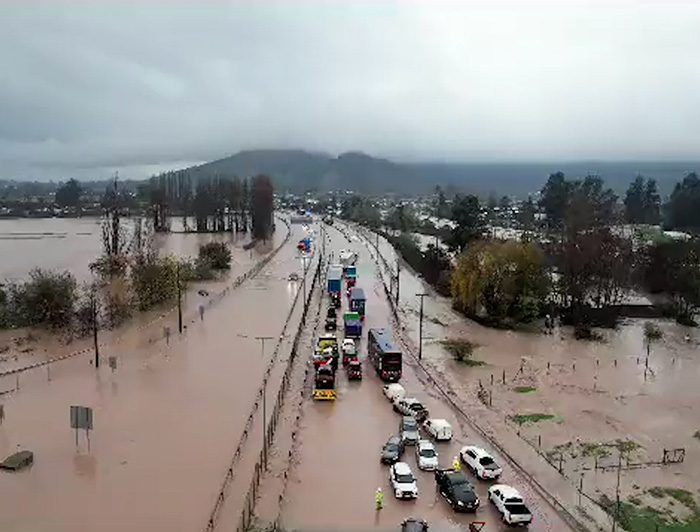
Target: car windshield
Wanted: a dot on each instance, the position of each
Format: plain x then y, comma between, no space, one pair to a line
518,509
427,453
410,425
486,461
457,479
405,478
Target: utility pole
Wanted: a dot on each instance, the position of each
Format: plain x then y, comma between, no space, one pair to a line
264,399
303,279
617,490
94,328
398,278
179,300
420,327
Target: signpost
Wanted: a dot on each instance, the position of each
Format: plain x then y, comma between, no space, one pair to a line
81,418
113,363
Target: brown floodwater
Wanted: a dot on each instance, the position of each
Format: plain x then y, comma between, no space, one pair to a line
597,390
337,470
73,243
166,421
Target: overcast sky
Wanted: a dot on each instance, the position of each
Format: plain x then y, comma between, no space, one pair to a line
88,87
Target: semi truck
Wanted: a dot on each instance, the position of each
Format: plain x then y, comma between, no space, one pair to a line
347,258
357,301
335,280
353,325
351,276
326,350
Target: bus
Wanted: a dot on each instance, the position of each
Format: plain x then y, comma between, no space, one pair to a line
385,358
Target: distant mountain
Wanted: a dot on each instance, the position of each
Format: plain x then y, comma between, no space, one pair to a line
299,170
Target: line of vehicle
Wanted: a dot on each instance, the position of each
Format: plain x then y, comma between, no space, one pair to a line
564,513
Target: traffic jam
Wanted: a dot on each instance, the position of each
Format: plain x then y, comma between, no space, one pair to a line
416,429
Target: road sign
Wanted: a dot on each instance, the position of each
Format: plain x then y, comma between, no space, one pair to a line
113,363
81,417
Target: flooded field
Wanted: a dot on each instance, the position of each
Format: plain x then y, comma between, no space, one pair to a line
335,467
73,243
166,420
590,395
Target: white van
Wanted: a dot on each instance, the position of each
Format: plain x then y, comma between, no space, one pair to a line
394,392
439,429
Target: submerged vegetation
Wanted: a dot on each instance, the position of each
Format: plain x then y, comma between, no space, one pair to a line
521,419
462,351
131,275
634,516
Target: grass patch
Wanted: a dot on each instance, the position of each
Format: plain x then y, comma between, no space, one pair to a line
462,351
524,389
521,419
594,449
634,517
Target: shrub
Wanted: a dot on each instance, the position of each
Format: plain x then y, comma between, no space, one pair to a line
46,298
154,281
216,254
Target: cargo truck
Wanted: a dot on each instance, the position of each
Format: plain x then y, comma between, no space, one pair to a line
353,325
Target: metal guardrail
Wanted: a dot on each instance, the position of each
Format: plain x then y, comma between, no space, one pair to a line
247,513
238,281
270,428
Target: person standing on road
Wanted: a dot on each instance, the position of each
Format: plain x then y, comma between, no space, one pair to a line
379,498
456,464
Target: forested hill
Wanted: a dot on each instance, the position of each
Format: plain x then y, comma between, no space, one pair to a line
299,170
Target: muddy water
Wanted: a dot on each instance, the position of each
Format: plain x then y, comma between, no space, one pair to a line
597,390
72,243
335,476
166,423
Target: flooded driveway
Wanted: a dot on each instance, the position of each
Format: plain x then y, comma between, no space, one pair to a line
165,422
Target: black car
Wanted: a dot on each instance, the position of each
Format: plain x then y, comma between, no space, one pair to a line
414,525
457,490
392,450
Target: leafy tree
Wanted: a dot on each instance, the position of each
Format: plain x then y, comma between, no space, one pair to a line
46,298
154,280
262,204
440,207
69,194
361,210
642,202
684,204
526,215
402,218
216,254
554,200
502,281
466,213
674,268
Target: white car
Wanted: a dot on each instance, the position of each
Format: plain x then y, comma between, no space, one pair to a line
349,347
510,504
394,392
439,429
403,481
426,455
480,462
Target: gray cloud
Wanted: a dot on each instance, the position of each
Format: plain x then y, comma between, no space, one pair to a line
89,87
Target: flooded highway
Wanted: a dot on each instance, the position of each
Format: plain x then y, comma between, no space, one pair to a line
165,422
337,469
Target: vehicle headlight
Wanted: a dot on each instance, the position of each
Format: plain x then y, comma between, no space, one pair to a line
460,503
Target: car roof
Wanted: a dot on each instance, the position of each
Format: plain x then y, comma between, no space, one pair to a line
425,444
439,422
402,468
405,419
478,451
507,491
394,386
394,439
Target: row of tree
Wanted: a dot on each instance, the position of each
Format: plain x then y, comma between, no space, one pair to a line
217,204
578,262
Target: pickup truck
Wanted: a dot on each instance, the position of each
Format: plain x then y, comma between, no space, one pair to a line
409,406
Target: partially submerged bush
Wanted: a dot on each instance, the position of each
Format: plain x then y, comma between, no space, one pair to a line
216,254
154,281
462,351
46,298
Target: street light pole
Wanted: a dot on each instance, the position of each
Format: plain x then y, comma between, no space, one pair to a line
179,300
303,280
264,399
420,327
94,329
